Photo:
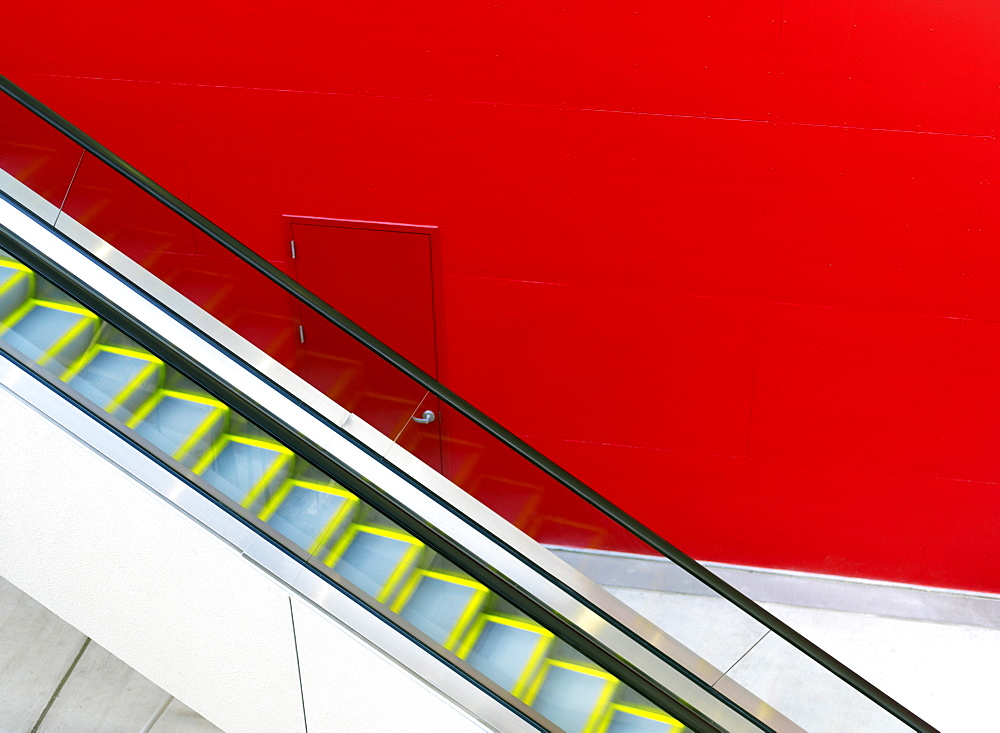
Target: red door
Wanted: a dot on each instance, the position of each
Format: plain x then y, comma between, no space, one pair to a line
381,276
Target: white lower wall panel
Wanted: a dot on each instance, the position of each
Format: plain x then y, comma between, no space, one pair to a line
371,695
142,580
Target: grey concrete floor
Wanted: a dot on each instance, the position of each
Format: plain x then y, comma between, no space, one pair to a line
53,679
943,672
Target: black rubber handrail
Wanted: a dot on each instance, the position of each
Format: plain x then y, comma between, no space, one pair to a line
468,410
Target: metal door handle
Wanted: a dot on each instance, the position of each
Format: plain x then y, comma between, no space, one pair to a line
426,418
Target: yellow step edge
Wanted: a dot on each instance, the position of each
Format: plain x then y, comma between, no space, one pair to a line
22,274
403,567
675,725
18,313
219,414
89,320
90,354
31,304
68,307
284,458
472,608
545,640
153,368
15,265
194,398
332,524
600,709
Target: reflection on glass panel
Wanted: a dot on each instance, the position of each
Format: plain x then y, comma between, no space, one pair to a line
36,154
515,489
204,271
240,461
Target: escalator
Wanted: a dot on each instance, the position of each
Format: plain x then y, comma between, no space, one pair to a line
356,509
102,365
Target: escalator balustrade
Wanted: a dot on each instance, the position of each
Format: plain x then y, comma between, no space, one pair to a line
106,368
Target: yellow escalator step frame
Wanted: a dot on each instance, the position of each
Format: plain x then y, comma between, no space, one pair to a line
90,354
154,367
676,725
472,608
149,405
331,526
54,305
545,640
133,384
285,457
18,314
403,567
218,415
23,273
79,328
15,265
599,713
32,303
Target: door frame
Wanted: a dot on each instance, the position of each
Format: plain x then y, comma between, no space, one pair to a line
437,273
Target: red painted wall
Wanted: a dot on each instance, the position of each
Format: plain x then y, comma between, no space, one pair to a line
734,264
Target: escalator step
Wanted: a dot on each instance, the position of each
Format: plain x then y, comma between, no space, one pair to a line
375,559
16,286
50,332
442,606
508,651
119,380
572,696
309,514
626,719
180,424
247,470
